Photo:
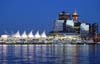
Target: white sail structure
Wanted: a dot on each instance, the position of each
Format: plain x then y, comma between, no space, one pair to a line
30,35
43,35
17,35
37,35
24,35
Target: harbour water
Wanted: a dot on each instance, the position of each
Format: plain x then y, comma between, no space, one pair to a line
50,54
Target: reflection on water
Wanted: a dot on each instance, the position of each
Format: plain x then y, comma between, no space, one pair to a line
50,54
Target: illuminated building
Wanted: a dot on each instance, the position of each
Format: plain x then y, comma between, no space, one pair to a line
94,30
64,16
75,17
84,30
43,35
24,35
17,35
66,29
77,27
69,26
30,35
4,36
65,24
58,25
37,35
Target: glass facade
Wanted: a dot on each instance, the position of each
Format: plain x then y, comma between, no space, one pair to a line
59,25
84,27
84,30
77,27
70,23
70,26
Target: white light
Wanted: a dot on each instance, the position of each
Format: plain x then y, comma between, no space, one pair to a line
70,23
4,36
59,25
30,35
43,35
17,35
24,35
37,35
84,26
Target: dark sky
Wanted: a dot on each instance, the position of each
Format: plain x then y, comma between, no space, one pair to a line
40,14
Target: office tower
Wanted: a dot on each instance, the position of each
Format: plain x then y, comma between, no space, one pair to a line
77,27
84,30
58,26
64,15
75,16
70,26
94,30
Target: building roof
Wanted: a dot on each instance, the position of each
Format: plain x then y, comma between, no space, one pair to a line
30,35
75,13
4,36
70,23
43,35
64,13
24,35
17,34
37,35
84,26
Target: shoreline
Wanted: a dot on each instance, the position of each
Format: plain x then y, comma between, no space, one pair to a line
48,43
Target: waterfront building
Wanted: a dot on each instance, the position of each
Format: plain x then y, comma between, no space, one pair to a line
24,35
64,15
61,26
75,17
30,35
17,35
69,26
77,27
66,29
37,35
58,27
43,35
84,30
65,24
94,30
4,36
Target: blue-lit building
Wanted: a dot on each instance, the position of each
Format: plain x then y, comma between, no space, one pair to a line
70,26
58,27
67,23
94,30
84,30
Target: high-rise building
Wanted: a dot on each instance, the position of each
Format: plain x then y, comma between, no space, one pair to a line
70,26
64,26
94,30
67,25
64,15
58,27
84,30
77,27
75,16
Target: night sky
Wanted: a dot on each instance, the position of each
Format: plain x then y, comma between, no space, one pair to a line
40,14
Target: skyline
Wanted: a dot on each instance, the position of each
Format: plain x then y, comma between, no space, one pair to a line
40,15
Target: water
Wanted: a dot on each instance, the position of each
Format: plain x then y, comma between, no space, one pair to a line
50,54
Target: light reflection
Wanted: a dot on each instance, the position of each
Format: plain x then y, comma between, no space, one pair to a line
39,54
